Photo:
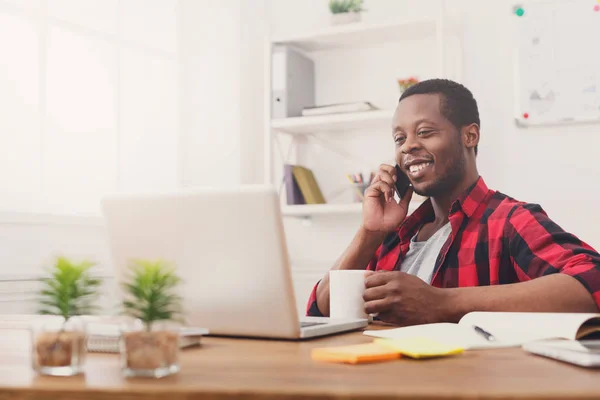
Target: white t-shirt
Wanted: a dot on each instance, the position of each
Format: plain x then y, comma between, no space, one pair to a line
421,256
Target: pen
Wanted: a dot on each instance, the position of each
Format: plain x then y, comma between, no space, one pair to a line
488,336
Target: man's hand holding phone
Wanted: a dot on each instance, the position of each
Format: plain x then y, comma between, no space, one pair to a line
381,213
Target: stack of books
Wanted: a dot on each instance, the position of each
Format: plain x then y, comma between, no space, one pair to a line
301,186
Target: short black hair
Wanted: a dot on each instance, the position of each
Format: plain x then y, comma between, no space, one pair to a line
457,104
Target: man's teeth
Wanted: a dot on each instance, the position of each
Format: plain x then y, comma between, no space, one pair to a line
417,167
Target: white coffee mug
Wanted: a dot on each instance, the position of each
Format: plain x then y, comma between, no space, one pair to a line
346,288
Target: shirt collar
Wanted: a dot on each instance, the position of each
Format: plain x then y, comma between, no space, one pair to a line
469,201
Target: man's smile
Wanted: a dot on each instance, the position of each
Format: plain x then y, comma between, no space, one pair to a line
417,168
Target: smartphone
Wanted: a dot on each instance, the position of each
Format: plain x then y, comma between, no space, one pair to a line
402,182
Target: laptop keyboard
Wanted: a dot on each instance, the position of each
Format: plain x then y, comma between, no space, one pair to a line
307,324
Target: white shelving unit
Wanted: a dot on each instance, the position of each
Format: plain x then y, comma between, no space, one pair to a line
343,38
354,62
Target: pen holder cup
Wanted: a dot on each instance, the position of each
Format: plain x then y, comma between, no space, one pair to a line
358,192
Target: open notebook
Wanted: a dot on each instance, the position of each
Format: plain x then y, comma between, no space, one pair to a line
509,329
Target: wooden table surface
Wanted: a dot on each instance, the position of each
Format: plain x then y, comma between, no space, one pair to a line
226,368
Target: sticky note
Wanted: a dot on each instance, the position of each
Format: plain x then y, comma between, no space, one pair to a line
355,354
419,347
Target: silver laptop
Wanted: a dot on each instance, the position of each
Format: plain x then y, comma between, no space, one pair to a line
229,248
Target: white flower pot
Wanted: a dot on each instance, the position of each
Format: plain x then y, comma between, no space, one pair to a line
345,18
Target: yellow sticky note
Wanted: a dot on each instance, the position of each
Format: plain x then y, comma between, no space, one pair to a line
419,347
355,354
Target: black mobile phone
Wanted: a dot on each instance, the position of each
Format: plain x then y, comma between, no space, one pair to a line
402,182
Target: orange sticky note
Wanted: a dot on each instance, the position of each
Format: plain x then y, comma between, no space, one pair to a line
355,354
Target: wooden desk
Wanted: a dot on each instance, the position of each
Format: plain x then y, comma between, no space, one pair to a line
256,369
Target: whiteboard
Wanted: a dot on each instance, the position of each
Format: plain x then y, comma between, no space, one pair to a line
558,62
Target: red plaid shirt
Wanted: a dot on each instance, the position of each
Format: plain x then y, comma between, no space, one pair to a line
495,240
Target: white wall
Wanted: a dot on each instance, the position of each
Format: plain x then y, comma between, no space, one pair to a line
105,95
30,244
88,105
253,36
88,101
553,166
210,49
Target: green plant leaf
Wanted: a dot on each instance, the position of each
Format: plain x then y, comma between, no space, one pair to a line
69,289
150,292
344,6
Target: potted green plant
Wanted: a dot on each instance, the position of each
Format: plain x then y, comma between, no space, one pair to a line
151,346
345,11
59,345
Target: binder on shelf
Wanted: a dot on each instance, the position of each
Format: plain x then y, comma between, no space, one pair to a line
308,185
292,82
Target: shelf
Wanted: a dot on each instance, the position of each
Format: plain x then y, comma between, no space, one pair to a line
311,210
321,209
336,123
359,34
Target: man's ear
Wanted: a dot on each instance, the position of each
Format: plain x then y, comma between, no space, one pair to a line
470,134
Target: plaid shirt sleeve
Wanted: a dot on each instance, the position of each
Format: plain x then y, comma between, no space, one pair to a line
539,247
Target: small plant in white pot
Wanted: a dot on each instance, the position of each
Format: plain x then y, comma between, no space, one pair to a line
345,11
150,347
59,346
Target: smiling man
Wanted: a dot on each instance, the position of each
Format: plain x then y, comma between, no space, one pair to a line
467,248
